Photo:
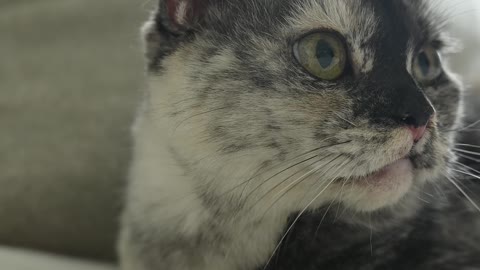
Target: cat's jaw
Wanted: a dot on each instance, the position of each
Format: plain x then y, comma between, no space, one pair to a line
383,188
184,212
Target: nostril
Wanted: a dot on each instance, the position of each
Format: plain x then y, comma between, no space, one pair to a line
410,121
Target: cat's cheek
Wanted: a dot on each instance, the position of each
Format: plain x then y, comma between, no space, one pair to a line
383,189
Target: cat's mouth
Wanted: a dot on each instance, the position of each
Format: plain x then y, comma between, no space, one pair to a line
381,188
390,172
386,184
389,175
397,168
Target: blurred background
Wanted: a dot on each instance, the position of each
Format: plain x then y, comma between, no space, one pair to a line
71,74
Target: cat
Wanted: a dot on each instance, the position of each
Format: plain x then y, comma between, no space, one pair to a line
297,134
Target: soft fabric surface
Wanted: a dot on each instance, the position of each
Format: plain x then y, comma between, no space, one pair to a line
16,259
70,76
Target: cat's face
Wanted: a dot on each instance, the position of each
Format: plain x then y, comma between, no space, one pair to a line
304,101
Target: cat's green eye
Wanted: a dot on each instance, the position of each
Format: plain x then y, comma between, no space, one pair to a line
427,65
322,54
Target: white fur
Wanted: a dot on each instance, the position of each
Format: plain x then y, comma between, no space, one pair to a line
163,196
181,13
161,187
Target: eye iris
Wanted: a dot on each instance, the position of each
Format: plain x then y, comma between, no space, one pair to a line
322,54
325,54
424,63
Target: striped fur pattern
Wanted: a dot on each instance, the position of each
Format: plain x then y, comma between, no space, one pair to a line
236,146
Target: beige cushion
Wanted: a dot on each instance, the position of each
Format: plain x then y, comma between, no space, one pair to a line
16,259
70,77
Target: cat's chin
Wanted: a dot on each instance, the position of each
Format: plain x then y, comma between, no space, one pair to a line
381,189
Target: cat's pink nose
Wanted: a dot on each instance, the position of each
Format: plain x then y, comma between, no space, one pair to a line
417,125
418,132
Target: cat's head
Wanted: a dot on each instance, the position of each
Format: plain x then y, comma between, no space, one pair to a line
296,102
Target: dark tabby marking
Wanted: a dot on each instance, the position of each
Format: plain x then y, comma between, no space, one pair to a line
256,148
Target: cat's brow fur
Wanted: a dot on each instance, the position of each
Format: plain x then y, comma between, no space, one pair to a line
229,112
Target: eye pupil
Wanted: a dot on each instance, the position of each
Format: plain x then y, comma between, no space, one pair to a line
424,63
325,54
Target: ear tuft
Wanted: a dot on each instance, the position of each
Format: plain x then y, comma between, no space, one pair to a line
184,14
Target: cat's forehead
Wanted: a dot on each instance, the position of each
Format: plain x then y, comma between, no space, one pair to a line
346,17
363,18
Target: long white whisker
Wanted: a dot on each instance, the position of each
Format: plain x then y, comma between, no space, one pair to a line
467,152
344,119
469,126
323,218
329,206
297,219
439,190
468,157
292,166
293,184
341,197
464,193
465,128
467,167
423,200
466,173
258,173
313,171
467,145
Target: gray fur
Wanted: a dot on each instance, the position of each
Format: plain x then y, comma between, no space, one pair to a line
228,103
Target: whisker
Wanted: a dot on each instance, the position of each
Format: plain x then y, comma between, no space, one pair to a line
299,181
467,145
471,125
439,190
467,167
428,194
344,119
470,130
466,173
337,214
295,222
423,200
279,173
467,152
291,185
330,205
464,193
464,128
290,167
303,211
468,157
323,218
341,196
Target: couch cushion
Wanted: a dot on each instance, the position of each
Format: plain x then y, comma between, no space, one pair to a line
16,259
70,77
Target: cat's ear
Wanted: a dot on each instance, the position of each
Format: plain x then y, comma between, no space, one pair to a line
181,15
171,21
